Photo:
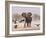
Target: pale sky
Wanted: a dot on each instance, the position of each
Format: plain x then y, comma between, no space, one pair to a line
19,10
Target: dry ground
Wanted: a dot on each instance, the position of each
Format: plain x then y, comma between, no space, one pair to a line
20,26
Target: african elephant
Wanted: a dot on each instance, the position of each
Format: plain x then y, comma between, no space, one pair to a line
28,18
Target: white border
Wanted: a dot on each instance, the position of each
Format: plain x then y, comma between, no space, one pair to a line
24,32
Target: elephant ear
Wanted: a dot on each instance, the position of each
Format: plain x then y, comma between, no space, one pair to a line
29,14
24,14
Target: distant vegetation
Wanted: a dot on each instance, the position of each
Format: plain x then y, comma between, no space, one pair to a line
36,17
18,16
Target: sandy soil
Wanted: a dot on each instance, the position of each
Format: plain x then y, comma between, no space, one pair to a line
20,26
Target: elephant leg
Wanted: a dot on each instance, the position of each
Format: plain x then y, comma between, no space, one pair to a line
28,24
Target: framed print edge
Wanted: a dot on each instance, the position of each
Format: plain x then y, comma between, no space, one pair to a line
7,19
